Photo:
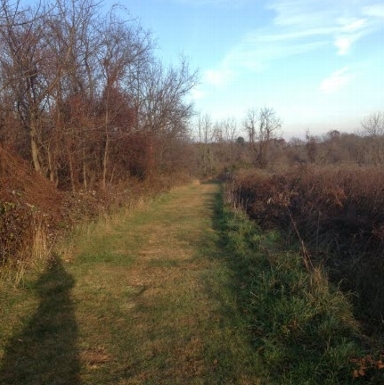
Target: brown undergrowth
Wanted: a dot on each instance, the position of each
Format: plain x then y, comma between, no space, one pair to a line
338,214
34,213
29,204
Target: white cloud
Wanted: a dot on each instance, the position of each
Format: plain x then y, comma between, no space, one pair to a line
350,31
343,44
302,26
256,54
296,13
336,81
290,35
216,3
197,94
352,25
217,78
375,10
343,21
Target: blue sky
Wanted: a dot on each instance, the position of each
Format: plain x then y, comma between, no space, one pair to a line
318,63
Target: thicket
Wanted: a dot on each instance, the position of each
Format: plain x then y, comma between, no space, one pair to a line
28,204
83,97
301,325
34,214
89,117
337,214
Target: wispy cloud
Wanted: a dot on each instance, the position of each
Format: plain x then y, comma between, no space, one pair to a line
336,81
293,13
255,52
375,10
218,77
348,32
197,94
344,44
351,25
342,22
302,26
216,3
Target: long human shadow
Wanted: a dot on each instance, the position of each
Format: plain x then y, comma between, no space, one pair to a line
45,352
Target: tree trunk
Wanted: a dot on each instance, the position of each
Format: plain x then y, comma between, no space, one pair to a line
34,145
105,161
106,146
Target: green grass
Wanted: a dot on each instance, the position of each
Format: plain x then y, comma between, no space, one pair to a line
183,291
143,300
302,327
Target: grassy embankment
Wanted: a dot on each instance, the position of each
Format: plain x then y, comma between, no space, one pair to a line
183,291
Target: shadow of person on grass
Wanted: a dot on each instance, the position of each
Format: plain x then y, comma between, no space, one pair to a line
45,351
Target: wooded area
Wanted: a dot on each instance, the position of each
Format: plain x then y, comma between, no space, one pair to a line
83,96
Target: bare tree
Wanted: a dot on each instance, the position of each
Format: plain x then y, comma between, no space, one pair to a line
250,125
311,146
206,136
22,63
71,30
225,137
373,124
121,47
164,109
262,126
230,130
84,89
40,55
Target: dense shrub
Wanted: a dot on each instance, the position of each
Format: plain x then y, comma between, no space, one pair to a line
28,202
301,325
33,210
337,212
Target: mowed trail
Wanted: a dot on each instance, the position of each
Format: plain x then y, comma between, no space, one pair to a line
173,317
153,301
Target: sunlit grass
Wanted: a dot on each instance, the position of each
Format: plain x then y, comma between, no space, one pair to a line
150,301
183,291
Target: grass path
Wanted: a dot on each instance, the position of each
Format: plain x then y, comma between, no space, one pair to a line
146,300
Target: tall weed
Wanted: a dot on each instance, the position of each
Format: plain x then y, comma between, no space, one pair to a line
339,215
301,325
